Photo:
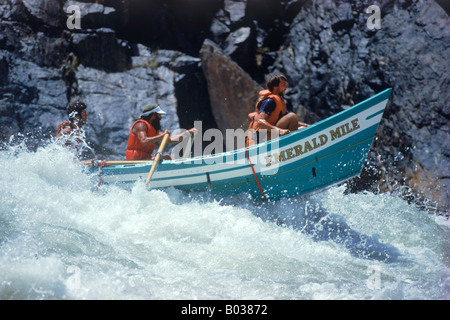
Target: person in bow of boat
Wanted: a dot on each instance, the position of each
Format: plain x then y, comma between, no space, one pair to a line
70,133
146,132
77,114
271,112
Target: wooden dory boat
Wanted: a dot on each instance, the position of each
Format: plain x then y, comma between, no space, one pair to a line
325,153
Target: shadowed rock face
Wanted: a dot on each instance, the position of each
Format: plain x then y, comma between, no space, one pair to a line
232,92
205,60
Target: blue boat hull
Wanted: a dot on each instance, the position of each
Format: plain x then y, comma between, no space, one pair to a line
328,152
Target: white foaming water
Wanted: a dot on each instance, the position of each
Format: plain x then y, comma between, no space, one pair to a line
62,238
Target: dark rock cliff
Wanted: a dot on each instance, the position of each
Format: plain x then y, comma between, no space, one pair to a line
203,60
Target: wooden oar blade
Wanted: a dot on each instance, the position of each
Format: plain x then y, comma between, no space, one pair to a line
158,156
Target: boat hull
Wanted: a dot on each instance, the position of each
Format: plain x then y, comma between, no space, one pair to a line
327,152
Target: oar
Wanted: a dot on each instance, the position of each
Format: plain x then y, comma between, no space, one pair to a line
157,157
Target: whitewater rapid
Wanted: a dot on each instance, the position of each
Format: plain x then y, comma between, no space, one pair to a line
63,237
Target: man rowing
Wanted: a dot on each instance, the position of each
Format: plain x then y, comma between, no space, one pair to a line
146,132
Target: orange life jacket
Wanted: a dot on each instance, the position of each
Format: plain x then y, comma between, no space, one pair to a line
135,150
277,113
73,131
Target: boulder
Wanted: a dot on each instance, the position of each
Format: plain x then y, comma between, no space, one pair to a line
232,92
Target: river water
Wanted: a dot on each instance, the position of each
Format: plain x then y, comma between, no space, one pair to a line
61,237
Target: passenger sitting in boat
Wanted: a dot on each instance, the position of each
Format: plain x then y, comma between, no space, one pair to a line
271,112
146,132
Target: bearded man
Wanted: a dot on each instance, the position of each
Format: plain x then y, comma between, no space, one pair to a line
146,132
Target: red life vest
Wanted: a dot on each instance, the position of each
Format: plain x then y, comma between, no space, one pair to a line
277,113
135,150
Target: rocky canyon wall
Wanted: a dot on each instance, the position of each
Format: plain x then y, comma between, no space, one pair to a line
204,60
